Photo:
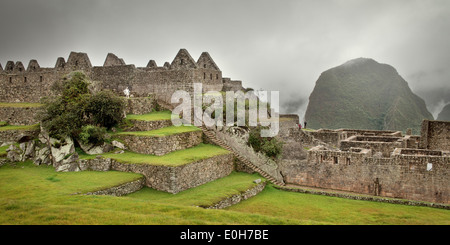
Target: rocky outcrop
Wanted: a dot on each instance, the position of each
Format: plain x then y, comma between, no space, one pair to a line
92,149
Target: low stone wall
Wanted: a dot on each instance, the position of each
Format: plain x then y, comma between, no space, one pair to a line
15,135
364,198
140,125
161,145
139,105
385,147
121,190
328,136
3,161
235,199
169,179
19,115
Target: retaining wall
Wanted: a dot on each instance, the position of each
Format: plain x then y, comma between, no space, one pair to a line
169,179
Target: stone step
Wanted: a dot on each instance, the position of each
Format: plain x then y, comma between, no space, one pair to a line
214,139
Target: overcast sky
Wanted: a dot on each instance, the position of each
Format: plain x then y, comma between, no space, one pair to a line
271,45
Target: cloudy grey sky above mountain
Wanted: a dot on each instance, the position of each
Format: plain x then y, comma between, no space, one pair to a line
270,45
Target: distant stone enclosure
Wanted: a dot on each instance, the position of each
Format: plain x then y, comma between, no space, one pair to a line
380,163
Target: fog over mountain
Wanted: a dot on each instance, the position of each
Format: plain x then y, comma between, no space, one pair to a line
268,44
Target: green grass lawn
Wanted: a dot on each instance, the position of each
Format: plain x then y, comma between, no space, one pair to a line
20,105
38,195
341,211
153,116
3,124
19,127
162,131
176,158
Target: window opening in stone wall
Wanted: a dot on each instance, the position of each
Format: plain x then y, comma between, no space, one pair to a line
210,76
41,79
182,61
24,79
10,79
204,75
217,76
76,63
204,66
335,160
429,166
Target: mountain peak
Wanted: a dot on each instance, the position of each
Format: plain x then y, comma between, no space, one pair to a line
364,94
358,61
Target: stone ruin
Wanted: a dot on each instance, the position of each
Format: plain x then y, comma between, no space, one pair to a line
380,163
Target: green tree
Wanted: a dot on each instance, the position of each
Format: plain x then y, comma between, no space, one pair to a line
74,106
270,146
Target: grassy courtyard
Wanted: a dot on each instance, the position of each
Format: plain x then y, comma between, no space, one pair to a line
38,195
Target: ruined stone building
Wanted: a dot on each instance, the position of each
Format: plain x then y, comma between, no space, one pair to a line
20,84
380,163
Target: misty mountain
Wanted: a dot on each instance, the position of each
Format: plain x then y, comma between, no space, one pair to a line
364,94
444,115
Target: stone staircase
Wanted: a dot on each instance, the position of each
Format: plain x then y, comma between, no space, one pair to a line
212,137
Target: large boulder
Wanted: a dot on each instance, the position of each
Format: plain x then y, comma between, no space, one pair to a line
61,149
42,156
69,164
96,149
14,153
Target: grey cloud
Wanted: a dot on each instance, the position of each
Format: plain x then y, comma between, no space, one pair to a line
268,44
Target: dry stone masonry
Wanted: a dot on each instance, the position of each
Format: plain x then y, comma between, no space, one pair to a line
379,163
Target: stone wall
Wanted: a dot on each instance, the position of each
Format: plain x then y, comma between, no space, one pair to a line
140,125
327,136
166,178
229,85
121,190
385,145
17,135
401,176
19,115
161,145
140,105
235,199
363,197
435,135
21,85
